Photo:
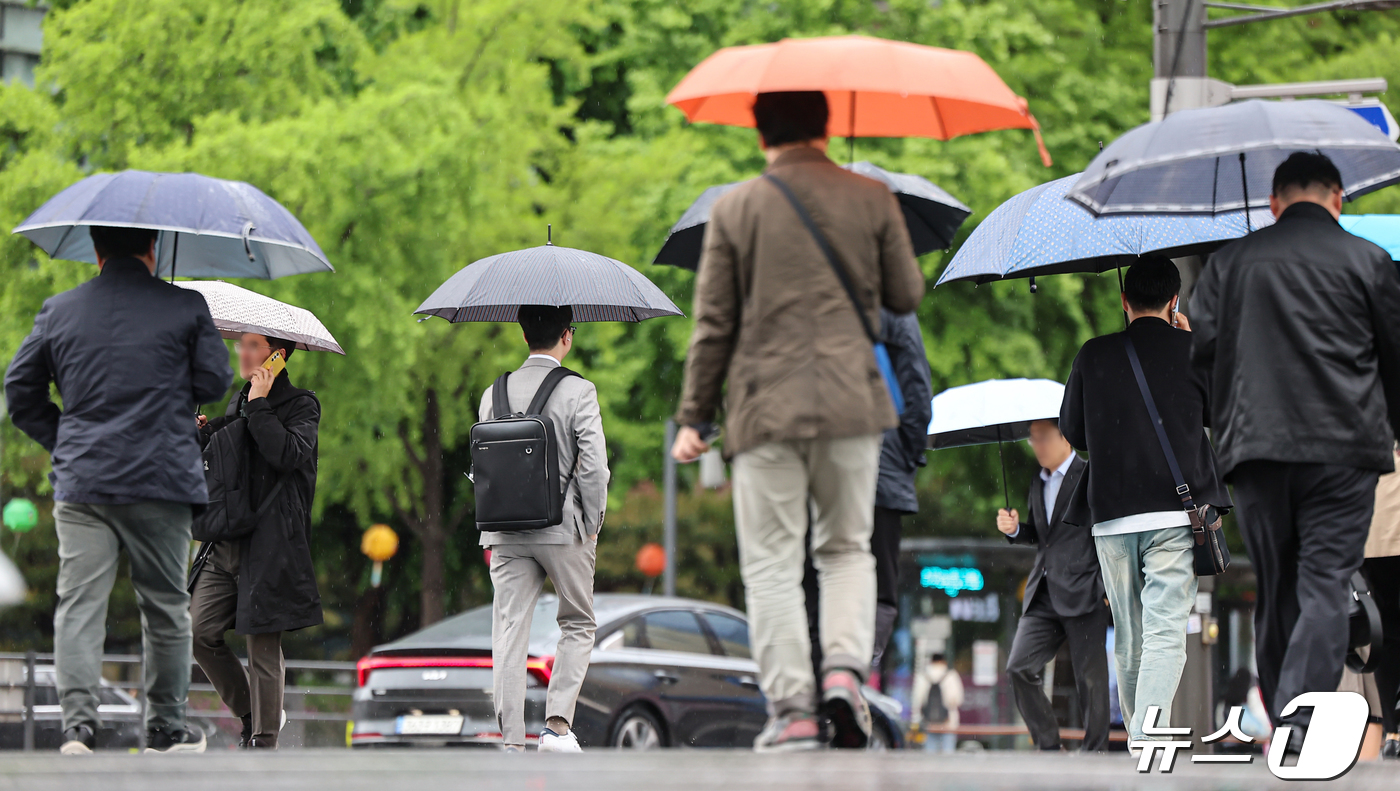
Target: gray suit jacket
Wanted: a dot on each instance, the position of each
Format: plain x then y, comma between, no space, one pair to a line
574,409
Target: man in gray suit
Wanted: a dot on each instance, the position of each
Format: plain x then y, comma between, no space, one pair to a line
565,553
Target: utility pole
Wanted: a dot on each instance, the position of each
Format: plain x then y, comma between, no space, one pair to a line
668,577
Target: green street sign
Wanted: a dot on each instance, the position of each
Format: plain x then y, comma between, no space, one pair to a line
20,515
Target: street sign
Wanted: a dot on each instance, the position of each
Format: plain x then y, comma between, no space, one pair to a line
1376,114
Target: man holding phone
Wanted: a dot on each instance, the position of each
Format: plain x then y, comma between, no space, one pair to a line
263,584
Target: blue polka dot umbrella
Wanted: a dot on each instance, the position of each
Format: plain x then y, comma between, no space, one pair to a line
1039,232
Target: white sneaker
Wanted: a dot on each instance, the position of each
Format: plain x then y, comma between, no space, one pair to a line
551,742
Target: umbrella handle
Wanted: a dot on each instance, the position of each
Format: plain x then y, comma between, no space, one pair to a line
247,246
1005,493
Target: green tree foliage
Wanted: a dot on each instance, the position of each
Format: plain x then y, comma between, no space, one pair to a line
414,137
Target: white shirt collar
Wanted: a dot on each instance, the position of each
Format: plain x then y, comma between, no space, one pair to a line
1046,475
544,357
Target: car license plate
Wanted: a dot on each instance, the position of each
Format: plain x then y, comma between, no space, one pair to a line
430,724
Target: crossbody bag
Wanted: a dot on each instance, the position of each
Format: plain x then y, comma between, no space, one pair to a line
1209,554
882,355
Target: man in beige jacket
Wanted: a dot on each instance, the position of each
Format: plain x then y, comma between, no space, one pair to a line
806,406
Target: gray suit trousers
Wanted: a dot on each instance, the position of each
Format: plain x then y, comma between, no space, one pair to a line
518,572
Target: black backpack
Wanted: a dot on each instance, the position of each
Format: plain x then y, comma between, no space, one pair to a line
228,474
515,462
935,711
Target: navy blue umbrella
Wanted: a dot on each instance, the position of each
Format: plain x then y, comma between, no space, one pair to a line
209,228
1216,159
932,215
597,287
1040,233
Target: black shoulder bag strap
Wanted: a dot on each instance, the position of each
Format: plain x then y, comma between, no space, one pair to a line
827,251
500,398
551,381
1182,489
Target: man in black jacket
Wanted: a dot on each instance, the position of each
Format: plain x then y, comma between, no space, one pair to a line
132,357
1141,531
1298,326
1063,600
902,453
263,584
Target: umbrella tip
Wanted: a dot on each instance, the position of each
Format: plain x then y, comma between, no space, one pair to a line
549,233
1100,145
1032,285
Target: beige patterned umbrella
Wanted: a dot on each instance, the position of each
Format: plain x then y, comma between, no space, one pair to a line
237,310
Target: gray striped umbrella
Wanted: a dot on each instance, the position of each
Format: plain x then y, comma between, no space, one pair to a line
597,287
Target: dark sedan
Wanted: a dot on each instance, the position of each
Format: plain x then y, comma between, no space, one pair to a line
664,672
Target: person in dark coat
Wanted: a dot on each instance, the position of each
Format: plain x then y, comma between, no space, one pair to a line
1140,528
132,358
263,584
901,456
1064,599
1298,327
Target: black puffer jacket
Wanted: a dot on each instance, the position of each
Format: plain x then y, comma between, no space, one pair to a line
276,578
1297,327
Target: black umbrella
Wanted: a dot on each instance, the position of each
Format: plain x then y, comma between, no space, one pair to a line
933,216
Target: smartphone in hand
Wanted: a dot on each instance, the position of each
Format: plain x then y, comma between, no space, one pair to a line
275,363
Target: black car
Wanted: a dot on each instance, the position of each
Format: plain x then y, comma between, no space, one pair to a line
664,672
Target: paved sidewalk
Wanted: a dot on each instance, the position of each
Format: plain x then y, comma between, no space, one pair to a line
444,770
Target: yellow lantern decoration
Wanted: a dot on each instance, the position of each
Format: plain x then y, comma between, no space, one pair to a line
379,543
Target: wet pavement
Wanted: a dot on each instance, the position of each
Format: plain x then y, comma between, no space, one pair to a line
431,770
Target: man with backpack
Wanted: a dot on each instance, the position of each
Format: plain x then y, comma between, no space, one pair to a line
563,552
260,580
937,695
132,357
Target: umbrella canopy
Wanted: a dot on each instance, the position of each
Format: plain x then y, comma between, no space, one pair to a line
1040,233
597,287
209,227
932,215
1383,229
1216,159
874,87
997,410
238,310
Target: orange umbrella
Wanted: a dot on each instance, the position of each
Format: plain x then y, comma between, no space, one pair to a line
875,88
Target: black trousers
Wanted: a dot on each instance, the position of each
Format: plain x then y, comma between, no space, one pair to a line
1384,576
1305,527
1039,635
884,545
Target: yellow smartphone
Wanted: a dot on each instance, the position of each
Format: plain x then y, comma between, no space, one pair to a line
275,364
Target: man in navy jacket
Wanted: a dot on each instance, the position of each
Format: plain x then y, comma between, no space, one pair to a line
132,358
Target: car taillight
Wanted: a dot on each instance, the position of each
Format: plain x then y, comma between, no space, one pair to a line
371,663
542,667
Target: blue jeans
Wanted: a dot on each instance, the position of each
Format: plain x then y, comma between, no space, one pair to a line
1151,588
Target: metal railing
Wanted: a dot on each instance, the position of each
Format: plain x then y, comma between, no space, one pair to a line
31,659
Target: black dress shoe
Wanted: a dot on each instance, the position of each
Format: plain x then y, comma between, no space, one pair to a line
1390,748
246,737
78,740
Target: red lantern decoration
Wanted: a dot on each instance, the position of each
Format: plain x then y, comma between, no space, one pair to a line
651,559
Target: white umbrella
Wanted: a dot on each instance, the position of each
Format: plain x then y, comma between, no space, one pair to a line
997,410
237,310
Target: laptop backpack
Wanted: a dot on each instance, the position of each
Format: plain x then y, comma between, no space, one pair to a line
515,462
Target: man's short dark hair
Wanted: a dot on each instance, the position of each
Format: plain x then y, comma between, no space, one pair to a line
544,325
1151,283
1306,170
286,346
112,242
790,116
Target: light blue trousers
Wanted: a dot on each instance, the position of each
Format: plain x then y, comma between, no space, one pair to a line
1151,588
